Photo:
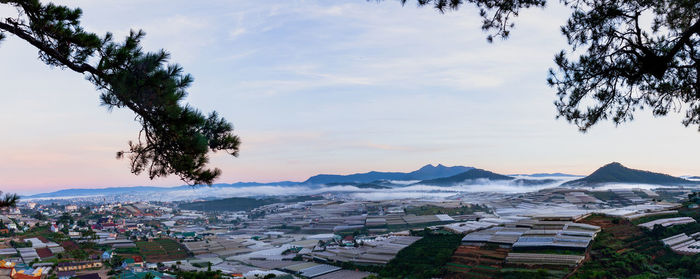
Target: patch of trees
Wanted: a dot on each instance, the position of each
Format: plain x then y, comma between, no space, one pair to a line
426,258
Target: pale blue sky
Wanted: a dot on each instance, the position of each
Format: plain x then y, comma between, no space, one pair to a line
324,87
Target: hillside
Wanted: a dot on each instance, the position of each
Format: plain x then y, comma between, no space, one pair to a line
363,185
240,204
617,173
425,172
467,177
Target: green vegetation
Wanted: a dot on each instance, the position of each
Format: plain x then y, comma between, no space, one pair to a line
433,209
426,258
132,250
160,250
20,244
199,274
517,273
286,228
561,251
241,204
623,250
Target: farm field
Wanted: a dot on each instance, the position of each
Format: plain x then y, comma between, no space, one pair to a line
161,250
624,250
476,262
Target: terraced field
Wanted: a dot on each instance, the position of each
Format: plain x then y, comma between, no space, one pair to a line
160,250
476,262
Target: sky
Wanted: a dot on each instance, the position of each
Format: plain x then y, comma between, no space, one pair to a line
326,86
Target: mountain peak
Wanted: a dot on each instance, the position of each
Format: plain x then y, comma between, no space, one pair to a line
613,165
428,166
428,171
617,173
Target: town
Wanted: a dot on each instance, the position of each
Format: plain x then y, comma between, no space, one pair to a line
551,232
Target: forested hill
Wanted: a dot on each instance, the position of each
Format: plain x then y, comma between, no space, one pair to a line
425,172
617,173
472,175
240,204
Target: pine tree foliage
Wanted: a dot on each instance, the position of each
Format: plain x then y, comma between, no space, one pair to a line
174,137
8,200
624,55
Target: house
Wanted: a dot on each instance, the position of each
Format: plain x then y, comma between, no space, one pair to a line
348,241
107,255
54,228
75,266
29,273
134,261
138,261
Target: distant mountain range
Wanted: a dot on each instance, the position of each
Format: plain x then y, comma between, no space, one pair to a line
139,189
426,172
437,175
617,173
476,176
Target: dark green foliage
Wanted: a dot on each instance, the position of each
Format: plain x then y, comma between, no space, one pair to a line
641,255
426,258
174,138
628,64
116,261
198,274
20,244
8,200
619,60
496,15
240,204
526,273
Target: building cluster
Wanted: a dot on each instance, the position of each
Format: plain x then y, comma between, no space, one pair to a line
314,238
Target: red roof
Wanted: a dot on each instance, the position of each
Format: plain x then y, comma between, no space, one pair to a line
24,276
69,245
44,252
